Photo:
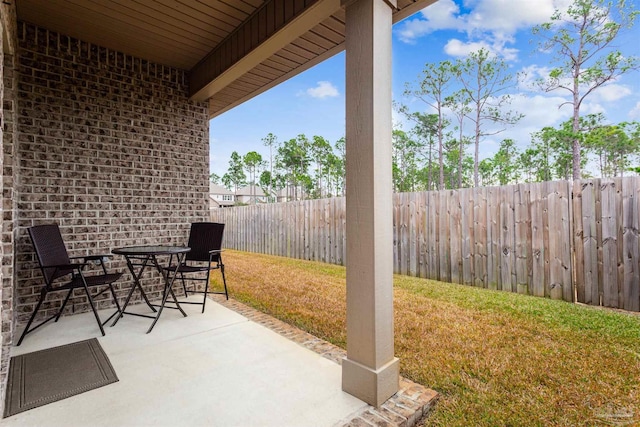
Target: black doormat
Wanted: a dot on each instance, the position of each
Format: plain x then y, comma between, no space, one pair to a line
46,376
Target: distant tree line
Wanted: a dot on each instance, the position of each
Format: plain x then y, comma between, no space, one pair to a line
462,103
296,169
307,168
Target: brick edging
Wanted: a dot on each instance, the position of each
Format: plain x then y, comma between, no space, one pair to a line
408,406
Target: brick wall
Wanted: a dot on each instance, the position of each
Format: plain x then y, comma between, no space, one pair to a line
5,338
8,84
110,147
8,205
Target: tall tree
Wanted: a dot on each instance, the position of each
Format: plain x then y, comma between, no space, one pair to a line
405,161
458,103
214,178
452,165
266,182
505,163
487,170
320,151
252,161
270,141
427,132
527,165
432,89
485,79
293,158
339,165
235,176
581,40
554,148
614,146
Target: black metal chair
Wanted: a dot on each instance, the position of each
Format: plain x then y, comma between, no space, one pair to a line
205,241
55,263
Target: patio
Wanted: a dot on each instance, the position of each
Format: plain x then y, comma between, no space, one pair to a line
218,369
105,110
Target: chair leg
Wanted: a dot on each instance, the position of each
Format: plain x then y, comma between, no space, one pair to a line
184,286
93,307
64,304
118,311
226,292
115,299
43,295
206,289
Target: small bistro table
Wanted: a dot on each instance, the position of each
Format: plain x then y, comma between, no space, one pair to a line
141,257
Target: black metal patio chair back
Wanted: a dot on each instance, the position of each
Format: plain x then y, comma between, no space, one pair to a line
55,263
205,241
205,237
50,250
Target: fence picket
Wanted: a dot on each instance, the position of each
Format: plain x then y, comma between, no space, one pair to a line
522,239
619,241
480,236
493,238
455,235
609,243
403,250
444,247
396,232
421,232
467,229
433,271
578,241
507,252
630,226
537,241
413,235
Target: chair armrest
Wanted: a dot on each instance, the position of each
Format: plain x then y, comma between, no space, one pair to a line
72,266
101,257
215,251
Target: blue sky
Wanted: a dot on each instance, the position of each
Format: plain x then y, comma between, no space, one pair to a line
313,102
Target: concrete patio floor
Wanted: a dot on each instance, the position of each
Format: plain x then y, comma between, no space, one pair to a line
216,369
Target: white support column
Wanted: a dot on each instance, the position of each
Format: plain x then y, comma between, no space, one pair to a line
370,371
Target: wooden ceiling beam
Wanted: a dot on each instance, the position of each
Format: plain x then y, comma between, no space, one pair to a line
216,107
272,27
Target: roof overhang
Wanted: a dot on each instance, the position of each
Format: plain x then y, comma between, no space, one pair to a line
233,49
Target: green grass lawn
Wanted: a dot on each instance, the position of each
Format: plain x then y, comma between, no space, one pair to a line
496,358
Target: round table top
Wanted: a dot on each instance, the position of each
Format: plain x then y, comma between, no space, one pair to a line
151,250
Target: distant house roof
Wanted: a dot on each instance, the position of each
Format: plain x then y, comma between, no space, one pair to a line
220,203
218,189
246,191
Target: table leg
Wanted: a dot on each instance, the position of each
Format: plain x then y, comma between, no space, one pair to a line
136,284
168,288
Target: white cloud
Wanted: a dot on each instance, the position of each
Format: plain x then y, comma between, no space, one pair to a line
540,110
398,119
323,89
508,16
458,48
455,47
634,114
500,16
490,23
611,92
530,75
441,15
592,108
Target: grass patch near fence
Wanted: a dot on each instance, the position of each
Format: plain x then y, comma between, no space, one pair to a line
496,358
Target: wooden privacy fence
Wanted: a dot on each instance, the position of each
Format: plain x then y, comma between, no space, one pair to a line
575,241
